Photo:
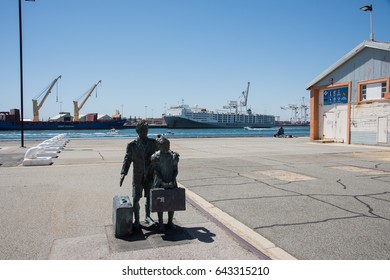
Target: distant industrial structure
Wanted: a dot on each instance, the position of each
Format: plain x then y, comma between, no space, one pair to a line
299,112
64,120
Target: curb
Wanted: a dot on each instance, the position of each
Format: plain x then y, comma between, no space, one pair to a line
259,242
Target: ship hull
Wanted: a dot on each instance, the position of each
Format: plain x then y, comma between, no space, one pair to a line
179,122
29,125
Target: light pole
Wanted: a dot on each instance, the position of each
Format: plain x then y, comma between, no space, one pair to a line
368,8
21,72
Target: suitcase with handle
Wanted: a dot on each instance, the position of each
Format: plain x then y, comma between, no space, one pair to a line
122,216
164,200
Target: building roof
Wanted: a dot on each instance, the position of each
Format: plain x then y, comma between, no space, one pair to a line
365,44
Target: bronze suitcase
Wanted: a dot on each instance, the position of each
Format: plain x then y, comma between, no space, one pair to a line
164,200
122,216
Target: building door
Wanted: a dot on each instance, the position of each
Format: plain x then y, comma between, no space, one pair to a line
382,130
341,121
329,127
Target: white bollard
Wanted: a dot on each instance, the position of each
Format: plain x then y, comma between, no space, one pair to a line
31,158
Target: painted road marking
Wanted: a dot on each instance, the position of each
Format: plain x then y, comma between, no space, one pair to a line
279,174
363,171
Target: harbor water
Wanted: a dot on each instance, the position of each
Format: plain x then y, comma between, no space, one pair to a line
294,131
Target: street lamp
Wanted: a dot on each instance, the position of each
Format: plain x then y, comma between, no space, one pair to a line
21,71
368,8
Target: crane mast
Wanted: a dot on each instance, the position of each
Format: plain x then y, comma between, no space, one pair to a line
36,106
76,106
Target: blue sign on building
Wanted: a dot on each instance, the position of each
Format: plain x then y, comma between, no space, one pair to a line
336,96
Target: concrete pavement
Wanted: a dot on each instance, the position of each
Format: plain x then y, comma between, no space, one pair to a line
247,198
316,201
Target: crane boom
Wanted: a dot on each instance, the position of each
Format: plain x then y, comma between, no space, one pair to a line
245,94
36,106
77,108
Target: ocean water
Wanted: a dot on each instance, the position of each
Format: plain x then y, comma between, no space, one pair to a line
295,131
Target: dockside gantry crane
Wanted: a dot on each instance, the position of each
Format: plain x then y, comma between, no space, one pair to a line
243,103
36,106
295,111
77,108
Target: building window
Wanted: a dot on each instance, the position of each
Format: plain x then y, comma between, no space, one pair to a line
373,91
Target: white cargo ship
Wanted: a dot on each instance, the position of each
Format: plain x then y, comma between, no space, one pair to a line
184,116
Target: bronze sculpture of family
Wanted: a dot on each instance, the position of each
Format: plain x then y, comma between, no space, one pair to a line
154,166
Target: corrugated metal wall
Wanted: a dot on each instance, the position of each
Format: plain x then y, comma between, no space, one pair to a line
369,64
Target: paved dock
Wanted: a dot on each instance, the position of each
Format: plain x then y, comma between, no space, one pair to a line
247,198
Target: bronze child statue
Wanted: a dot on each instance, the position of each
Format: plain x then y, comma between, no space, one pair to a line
165,165
139,152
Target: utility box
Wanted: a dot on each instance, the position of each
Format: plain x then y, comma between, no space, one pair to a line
122,216
164,200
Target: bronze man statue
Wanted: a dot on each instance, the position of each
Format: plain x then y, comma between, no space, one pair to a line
165,165
139,152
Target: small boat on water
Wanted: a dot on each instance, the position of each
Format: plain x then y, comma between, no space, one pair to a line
166,134
112,132
169,132
252,128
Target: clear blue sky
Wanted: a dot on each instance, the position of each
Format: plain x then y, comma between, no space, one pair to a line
155,53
